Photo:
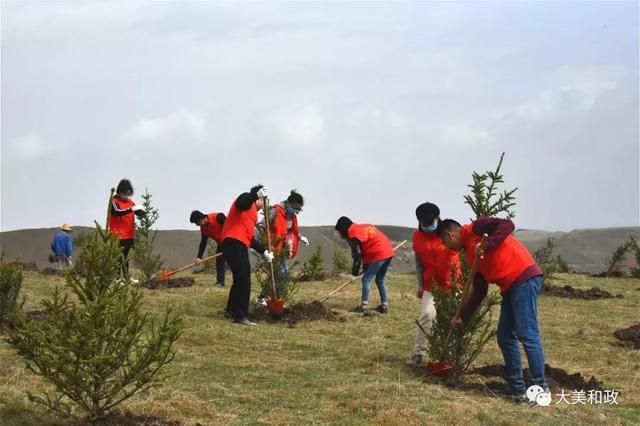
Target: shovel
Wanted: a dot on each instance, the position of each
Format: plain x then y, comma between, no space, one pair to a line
275,306
442,368
337,290
164,275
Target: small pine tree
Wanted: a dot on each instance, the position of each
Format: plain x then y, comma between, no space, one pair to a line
468,340
549,263
10,284
286,288
98,348
614,268
633,243
484,190
313,268
340,262
144,256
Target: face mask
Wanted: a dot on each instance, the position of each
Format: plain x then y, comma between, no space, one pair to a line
429,228
290,210
124,197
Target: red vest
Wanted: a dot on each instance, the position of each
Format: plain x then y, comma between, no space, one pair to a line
375,245
439,262
281,233
123,226
240,224
213,229
502,265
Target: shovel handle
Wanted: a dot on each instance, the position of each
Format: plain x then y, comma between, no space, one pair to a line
175,271
403,242
267,226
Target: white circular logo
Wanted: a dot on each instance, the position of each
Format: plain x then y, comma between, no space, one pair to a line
537,395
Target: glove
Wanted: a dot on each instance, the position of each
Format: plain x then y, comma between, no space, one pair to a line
136,208
198,261
262,192
268,255
305,240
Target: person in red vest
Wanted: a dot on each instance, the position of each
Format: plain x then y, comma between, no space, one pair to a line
122,221
435,264
210,227
506,262
238,234
371,248
285,232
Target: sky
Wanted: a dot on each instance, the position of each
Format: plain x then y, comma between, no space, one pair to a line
367,108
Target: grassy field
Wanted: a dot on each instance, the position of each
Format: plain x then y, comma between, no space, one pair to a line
352,372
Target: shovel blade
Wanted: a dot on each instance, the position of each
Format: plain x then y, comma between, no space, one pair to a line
275,306
438,369
164,275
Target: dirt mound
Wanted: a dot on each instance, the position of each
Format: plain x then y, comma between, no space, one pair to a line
612,274
629,336
179,282
302,311
557,378
576,293
50,271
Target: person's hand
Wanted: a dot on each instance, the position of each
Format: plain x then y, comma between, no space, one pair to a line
305,241
268,255
456,322
263,192
420,292
198,261
136,208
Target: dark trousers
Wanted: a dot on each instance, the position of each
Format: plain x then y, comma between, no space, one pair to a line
236,255
126,246
219,267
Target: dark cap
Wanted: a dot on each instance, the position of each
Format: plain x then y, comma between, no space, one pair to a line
426,212
343,224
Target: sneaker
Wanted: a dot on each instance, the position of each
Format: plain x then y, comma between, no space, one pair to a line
262,301
360,309
218,285
383,309
415,361
519,398
244,321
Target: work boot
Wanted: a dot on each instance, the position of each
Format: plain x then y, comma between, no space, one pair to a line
244,321
360,309
383,309
415,361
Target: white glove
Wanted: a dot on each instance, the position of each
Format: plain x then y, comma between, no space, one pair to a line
305,240
263,192
136,208
268,255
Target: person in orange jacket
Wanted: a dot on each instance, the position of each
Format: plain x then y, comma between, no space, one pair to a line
435,264
371,248
122,221
238,234
506,262
210,227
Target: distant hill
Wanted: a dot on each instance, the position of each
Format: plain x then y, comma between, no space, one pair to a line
586,250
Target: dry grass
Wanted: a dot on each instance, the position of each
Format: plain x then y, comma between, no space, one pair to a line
351,372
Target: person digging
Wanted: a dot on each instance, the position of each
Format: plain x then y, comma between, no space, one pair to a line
210,227
122,221
283,220
435,263
62,247
238,234
371,248
506,262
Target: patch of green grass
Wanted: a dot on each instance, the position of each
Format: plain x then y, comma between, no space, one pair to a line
351,372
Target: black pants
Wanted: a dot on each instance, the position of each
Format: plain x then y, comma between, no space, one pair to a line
126,245
219,267
237,256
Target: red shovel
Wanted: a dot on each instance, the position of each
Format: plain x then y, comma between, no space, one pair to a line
442,368
164,275
275,306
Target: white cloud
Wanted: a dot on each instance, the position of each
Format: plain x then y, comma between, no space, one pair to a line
302,126
181,127
28,146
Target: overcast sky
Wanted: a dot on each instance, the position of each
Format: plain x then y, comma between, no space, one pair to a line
367,108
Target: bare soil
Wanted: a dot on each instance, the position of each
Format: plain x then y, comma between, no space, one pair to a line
629,336
593,293
178,282
300,312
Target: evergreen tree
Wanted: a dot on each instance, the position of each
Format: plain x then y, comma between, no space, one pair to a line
549,263
144,256
313,268
633,243
340,262
484,191
10,284
618,257
97,348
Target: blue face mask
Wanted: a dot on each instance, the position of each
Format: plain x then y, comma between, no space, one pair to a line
290,211
429,228
124,197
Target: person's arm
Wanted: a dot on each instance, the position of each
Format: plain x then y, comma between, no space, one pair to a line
202,246
479,292
69,246
118,211
356,254
496,229
419,271
257,245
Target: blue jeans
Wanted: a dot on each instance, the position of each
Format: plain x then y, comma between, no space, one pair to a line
378,270
519,324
